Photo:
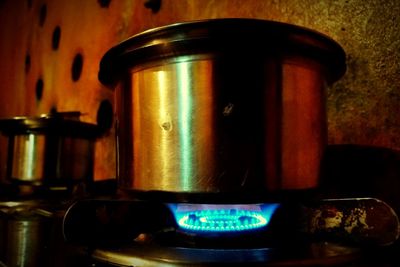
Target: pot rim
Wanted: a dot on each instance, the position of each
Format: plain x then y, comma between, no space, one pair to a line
63,124
224,35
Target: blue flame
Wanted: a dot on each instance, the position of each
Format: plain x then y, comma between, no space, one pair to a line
222,217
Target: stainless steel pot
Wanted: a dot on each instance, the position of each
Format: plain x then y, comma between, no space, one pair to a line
54,150
224,105
31,234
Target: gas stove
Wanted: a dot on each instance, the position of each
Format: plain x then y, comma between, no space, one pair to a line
138,233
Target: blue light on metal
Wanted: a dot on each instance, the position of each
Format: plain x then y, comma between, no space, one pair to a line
222,218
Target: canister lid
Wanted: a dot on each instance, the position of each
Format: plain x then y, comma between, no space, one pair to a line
235,36
26,209
61,123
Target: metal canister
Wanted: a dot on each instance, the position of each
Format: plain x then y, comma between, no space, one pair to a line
28,230
52,149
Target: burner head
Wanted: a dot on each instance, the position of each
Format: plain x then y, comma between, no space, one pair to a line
222,218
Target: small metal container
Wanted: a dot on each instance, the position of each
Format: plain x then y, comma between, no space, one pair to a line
222,105
26,231
31,234
52,150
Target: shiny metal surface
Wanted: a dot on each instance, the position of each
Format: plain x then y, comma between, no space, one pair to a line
199,125
316,254
38,157
28,151
213,109
27,232
31,235
25,239
55,149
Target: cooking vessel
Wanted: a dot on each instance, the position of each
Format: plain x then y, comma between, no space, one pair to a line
55,150
221,106
31,234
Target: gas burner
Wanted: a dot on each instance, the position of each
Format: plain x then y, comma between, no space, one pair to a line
222,218
142,233
355,222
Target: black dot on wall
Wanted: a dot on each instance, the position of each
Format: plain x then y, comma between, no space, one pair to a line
53,110
55,41
154,5
29,4
104,3
27,63
105,115
39,89
76,69
42,15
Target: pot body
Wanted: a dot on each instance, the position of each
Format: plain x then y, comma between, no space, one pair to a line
40,158
209,125
220,114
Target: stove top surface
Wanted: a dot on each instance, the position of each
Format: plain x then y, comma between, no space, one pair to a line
315,254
